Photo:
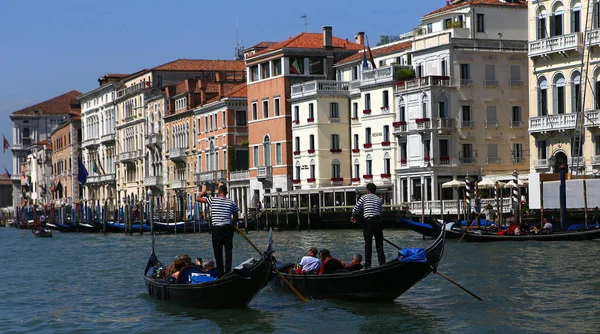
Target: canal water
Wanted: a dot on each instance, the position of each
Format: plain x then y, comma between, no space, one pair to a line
91,283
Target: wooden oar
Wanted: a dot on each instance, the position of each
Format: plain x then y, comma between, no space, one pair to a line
275,269
26,233
466,230
439,273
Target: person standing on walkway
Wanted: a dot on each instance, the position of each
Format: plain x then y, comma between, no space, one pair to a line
370,207
222,210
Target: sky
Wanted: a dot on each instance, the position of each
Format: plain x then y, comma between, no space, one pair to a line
48,48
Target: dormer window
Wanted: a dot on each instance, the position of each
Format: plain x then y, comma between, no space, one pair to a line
181,103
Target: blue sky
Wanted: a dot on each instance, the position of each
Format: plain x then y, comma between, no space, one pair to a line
51,47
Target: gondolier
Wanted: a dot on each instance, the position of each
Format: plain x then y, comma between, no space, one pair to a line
370,206
222,210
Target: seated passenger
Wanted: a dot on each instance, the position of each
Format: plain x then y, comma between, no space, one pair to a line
309,264
186,258
170,268
329,264
208,266
177,265
547,226
355,263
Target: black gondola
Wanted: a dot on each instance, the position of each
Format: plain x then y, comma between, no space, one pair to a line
42,233
477,236
381,284
234,289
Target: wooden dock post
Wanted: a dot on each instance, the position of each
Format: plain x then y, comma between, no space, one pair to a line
309,210
541,204
585,204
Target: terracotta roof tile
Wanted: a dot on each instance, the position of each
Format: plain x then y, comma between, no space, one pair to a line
57,105
464,3
231,90
202,65
264,44
180,88
378,51
308,40
4,179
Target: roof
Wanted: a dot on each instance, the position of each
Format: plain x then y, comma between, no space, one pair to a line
378,51
264,44
238,90
202,65
451,5
57,105
308,40
4,179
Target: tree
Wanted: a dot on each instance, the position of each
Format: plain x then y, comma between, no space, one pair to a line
403,74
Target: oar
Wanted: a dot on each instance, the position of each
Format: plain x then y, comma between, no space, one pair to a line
276,271
26,233
466,230
439,273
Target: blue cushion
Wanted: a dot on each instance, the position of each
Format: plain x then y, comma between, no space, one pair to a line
412,255
196,278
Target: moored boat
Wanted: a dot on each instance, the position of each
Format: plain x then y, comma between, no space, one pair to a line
384,283
42,233
480,236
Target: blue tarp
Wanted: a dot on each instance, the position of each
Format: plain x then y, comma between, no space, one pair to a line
412,255
410,222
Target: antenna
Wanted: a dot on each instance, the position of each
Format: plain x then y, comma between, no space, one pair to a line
239,49
305,23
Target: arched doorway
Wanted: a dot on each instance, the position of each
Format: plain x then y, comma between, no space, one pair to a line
560,159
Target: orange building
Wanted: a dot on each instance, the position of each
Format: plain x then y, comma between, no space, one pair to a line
66,150
272,68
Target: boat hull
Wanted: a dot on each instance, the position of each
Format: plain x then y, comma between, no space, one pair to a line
557,236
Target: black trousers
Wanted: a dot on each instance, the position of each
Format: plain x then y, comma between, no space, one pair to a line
373,228
222,237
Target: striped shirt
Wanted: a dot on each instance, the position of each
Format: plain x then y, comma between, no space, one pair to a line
221,209
369,205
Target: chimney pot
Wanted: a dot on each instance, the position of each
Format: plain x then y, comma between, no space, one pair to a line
360,38
327,36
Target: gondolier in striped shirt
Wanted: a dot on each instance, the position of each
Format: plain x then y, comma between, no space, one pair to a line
222,210
370,207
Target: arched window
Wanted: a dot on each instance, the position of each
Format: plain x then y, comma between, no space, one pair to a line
558,95
575,16
267,150
543,96
356,168
336,171
312,169
369,165
297,170
556,20
541,31
387,164
575,91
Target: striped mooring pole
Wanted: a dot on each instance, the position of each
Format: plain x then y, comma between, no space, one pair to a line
515,193
469,191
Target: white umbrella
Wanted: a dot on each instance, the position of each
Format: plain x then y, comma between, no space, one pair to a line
511,184
453,184
486,182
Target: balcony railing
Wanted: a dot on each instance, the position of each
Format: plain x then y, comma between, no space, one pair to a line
108,177
205,177
556,44
152,140
592,118
153,181
131,89
552,123
490,83
516,124
264,172
595,160
444,124
541,164
177,154
240,175
107,137
130,156
319,86
493,160
515,83
580,161
491,124
467,160
178,184
93,179
90,142
423,82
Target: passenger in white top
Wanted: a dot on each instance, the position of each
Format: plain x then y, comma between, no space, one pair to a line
310,263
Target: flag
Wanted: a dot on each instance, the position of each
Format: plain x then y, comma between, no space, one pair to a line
7,173
94,167
296,67
82,173
365,64
371,56
59,189
100,166
5,144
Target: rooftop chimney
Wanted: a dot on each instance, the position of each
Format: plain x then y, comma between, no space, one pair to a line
327,37
360,38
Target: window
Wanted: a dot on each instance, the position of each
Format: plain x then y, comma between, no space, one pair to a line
575,92
355,142
492,153
492,121
541,27
297,170
336,171
387,164
516,116
266,70
367,101
424,109
597,146
355,110
267,150
444,150
419,71
265,106
316,66
240,118
312,169
254,73
278,154
354,73
159,80
276,106
254,111
386,133
576,19
356,168
542,97
465,75
311,142
517,152
296,113
224,119
311,110
277,67
296,65
442,109
297,144
558,93
334,111
256,163
542,149
490,75
515,76
368,136
403,113
467,153
335,142
556,24
386,99
480,23
427,148
369,161
429,28
444,69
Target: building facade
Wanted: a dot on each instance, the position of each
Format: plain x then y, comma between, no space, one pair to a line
35,124
66,151
39,173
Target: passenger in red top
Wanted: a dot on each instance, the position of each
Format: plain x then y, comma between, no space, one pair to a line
329,263
355,263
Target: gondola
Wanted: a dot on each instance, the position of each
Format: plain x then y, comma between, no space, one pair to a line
377,284
482,236
235,289
182,227
427,230
121,227
42,233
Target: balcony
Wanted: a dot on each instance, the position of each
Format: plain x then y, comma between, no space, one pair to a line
355,151
423,82
400,128
240,175
178,154
445,161
264,172
541,164
311,151
515,83
153,181
337,181
444,125
311,180
552,123
367,112
178,184
205,177
595,160
556,44
132,89
467,160
368,176
310,120
423,124
492,160
491,124
221,175
108,178
516,124
592,118
153,140
385,110
578,161
93,179
316,87
130,156
107,138
90,142
490,83
379,76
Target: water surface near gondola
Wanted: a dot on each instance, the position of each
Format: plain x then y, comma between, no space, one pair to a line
91,283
